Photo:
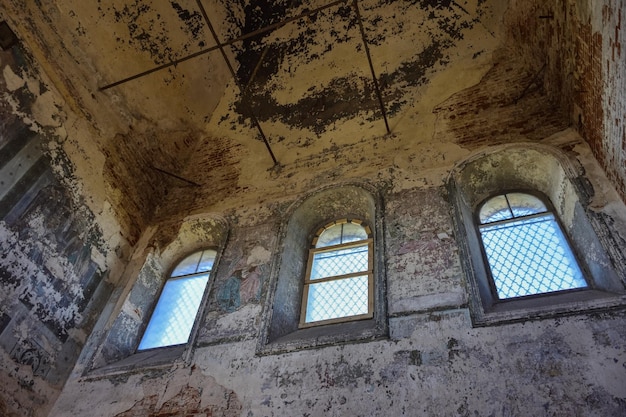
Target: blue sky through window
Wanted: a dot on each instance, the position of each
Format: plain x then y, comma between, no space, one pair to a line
338,296
527,252
175,313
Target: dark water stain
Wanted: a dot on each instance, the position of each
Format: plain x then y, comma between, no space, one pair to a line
193,21
345,96
348,94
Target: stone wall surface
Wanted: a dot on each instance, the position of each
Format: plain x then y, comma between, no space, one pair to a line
58,240
433,361
105,189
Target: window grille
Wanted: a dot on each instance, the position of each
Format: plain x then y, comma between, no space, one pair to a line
175,313
526,250
339,280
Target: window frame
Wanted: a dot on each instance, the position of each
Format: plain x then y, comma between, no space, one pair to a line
313,250
279,331
201,304
546,170
550,210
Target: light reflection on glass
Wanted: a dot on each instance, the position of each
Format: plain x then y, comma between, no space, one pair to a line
175,312
529,255
177,308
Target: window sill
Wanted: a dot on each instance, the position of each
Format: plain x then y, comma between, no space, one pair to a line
158,358
547,306
320,336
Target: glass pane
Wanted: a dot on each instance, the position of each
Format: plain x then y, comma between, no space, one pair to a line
529,257
206,261
188,265
353,232
175,312
196,262
494,209
341,233
339,298
525,204
339,262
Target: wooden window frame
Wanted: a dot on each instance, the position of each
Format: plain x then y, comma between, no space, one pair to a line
369,272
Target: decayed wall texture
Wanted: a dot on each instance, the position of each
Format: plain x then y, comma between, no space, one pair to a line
89,211
55,255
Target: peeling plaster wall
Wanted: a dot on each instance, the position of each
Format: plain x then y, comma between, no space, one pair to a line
59,242
456,82
434,362
143,132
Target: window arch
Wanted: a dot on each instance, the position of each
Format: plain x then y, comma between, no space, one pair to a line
145,277
338,283
281,329
558,193
176,310
526,251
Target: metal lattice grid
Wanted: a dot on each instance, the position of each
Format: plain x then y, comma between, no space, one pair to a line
175,313
340,262
338,298
530,256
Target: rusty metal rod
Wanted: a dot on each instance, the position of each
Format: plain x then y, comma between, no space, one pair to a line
355,4
532,81
256,68
234,75
226,43
175,176
160,67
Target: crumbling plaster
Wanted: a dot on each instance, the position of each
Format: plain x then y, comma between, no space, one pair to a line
434,361
101,146
436,364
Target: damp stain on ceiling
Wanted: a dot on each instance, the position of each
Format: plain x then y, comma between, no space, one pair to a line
303,63
160,81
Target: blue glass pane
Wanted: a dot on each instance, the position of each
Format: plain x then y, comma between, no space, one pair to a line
187,266
495,209
525,204
341,233
508,206
206,261
340,298
529,257
339,262
175,312
201,261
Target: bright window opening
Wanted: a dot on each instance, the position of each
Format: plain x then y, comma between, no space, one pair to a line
526,250
339,279
175,313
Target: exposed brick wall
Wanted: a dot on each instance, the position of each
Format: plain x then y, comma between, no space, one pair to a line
187,402
509,104
589,89
584,69
614,101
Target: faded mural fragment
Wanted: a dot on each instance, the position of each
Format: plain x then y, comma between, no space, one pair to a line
51,250
244,283
49,239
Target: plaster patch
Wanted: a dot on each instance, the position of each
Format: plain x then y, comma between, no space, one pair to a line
258,255
13,81
43,110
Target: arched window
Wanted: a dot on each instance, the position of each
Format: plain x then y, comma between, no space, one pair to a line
175,312
339,279
285,327
525,248
517,248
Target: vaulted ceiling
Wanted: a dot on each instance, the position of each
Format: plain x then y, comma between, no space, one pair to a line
175,92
